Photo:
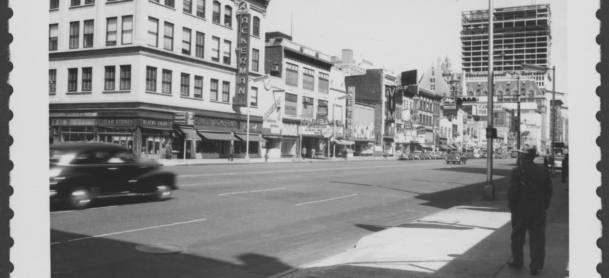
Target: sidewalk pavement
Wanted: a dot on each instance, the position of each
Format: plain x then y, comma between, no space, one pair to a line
470,240
187,162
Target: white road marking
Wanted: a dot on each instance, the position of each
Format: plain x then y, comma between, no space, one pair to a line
223,194
326,200
303,170
129,231
63,211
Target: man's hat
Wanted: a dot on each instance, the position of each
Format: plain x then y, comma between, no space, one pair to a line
528,151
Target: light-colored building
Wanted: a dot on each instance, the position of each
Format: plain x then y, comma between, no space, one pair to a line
150,73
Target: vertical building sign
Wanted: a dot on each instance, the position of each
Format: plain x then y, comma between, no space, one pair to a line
390,96
243,54
349,113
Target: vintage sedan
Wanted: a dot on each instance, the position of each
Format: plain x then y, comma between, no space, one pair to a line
436,155
416,155
456,157
84,171
426,155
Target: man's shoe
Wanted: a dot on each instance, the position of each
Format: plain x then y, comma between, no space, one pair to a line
534,272
514,265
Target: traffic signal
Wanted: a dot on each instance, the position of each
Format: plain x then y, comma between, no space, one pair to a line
491,132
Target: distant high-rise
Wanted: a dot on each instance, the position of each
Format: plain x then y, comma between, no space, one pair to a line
521,36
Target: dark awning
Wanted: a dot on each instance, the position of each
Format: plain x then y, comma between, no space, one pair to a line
254,137
216,136
364,140
188,132
344,142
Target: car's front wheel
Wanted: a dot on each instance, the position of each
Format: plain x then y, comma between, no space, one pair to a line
79,198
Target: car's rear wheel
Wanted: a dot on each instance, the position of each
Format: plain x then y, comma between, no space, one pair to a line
162,192
79,198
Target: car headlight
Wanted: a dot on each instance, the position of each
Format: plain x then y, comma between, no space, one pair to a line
54,172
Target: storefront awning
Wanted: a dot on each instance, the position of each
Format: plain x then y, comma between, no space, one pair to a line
255,137
364,140
344,142
445,147
216,136
189,133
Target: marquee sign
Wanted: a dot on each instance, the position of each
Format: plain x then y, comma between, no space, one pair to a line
243,55
349,116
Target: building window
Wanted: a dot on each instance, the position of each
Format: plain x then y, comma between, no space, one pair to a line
86,79
185,85
291,75
109,77
225,91
200,45
228,16
153,31
88,34
168,36
72,80
198,87
126,77
127,29
253,96
214,90
89,2
291,104
186,41
111,31
324,83
53,34
216,13
307,107
255,59
166,82
74,3
169,3
256,31
151,79
226,53
187,6
215,49
74,31
52,81
308,79
54,4
201,8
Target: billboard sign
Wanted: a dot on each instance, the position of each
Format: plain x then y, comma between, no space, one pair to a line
349,112
243,55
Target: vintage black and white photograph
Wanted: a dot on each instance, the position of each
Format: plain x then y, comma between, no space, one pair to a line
305,138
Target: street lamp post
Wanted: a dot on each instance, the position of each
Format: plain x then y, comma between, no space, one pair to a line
489,187
334,125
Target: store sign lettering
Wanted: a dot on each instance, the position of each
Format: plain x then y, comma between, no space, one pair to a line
115,122
390,112
156,123
215,122
253,128
243,55
349,112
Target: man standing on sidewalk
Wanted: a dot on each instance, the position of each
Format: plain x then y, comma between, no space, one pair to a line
529,196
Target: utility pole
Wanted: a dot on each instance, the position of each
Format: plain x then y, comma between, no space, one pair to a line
489,187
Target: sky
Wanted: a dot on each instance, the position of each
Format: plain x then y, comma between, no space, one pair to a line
399,34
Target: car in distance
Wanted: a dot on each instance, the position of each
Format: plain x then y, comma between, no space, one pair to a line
81,172
426,155
416,155
436,155
455,157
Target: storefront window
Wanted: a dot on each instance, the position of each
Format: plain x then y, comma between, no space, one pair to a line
77,133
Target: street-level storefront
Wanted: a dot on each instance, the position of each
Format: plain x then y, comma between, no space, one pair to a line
289,139
217,134
315,139
364,147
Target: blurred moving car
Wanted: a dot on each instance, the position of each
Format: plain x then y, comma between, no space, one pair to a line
84,171
455,157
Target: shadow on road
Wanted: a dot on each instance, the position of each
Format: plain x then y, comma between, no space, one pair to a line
99,203
104,257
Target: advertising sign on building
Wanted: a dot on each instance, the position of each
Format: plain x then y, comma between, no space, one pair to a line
243,54
116,122
271,119
408,125
349,112
362,131
184,118
322,109
421,130
483,108
500,119
156,124
390,100
289,129
319,130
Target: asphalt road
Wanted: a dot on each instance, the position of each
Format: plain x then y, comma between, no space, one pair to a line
257,220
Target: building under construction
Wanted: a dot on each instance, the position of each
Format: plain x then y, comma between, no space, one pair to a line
521,36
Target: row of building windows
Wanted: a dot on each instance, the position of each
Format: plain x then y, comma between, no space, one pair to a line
127,38
198,10
308,79
445,132
151,83
426,119
87,79
308,103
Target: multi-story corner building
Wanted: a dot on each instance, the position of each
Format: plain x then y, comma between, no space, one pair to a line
312,97
522,35
156,73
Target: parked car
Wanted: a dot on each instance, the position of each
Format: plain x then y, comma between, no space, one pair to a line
416,155
82,172
404,156
455,157
442,155
426,155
